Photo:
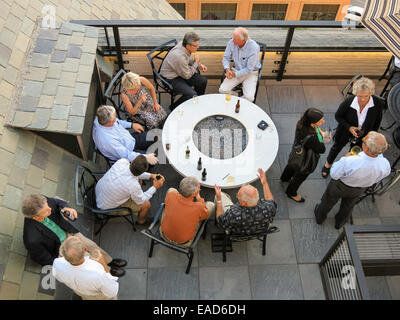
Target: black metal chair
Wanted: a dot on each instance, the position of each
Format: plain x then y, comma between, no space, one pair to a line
159,53
348,88
86,184
153,232
232,237
239,87
390,72
108,160
113,95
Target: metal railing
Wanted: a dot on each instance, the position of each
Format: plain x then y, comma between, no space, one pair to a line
360,251
291,26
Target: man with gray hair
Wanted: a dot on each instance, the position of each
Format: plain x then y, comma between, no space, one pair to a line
114,141
245,53
351,176
250,215
88,276
180,68
183,212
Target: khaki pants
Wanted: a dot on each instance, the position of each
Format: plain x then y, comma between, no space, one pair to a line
211,209
91,246
249,83
130,204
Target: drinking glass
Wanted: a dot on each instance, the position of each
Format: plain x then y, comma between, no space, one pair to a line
228,97
355,150
195,99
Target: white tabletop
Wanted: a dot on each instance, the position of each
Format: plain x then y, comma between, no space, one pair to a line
260,152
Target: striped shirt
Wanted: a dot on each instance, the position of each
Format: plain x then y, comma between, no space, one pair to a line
119,184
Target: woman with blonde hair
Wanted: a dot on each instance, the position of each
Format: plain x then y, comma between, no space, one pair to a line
139,97
357,115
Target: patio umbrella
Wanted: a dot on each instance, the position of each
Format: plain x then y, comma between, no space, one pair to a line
382,18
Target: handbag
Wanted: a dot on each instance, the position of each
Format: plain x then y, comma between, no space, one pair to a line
301,159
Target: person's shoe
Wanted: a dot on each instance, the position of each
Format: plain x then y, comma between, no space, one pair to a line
117,272
325,171
301,199
119,263
315,214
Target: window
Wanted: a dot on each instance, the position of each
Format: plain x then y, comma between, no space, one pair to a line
218,11
319,12
180,8
268,12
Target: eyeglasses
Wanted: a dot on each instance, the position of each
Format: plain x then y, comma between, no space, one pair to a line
195,46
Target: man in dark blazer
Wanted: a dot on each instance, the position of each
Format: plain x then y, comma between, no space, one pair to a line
45,228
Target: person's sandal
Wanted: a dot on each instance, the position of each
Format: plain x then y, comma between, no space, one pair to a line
326,171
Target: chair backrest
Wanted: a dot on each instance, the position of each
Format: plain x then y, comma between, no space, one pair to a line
108,161
87,185
113,92
159,54
348,88
263,49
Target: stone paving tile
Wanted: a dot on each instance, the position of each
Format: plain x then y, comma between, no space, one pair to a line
32,266
394,286
29,286
22,119
50,87
35,176
286,99
325,98
275,282
311,282
7,219
7,161
12,198
9,139
48,34
9,291
282,123
226,283
40,158
133,285
378,288
5,245
280,247
46,102
120,241
60,112
78,107
54,71
14,268
75,124
17,177
40,60
172,284
312,241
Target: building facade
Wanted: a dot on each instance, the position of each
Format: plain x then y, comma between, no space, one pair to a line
261,9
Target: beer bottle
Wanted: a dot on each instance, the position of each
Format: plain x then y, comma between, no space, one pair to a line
204,175
237,106
199,164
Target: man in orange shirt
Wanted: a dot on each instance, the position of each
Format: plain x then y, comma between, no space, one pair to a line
183,212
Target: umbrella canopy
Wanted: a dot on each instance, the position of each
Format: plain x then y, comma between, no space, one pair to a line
382,18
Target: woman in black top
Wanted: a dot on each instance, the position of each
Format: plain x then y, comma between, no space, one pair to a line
309,124
357,115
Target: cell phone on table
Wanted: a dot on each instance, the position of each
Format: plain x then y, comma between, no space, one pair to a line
262,125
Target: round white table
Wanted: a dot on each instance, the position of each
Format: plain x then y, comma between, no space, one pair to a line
260,152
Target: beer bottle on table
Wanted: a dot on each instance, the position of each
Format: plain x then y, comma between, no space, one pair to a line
204,175
199,164
237,106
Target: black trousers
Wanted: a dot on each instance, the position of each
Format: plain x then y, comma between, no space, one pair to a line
295,180
335,191
337,147
184,87
141,144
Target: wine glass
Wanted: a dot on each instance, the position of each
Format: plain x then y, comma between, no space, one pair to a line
355,150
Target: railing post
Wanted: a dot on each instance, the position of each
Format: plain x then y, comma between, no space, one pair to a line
288,43
118,47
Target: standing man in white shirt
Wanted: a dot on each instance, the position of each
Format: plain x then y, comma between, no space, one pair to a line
245,53
120,187
89,277
351,176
